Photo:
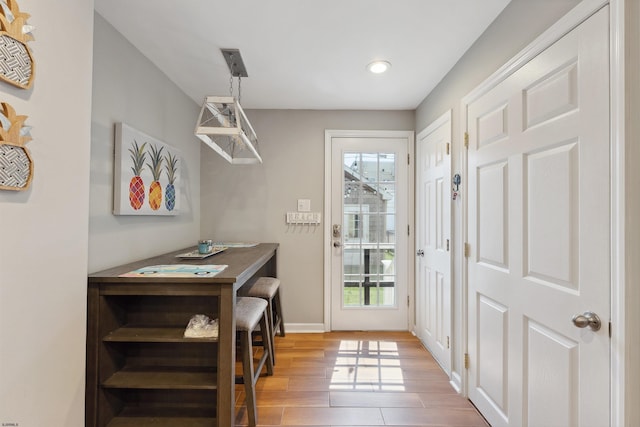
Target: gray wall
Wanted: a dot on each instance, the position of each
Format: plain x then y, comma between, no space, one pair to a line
248,203
632,231
515,28
43,230
518,25
128,88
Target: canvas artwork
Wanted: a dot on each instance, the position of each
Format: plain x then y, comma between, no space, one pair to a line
146,176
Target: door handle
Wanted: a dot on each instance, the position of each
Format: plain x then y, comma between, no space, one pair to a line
420,253
337,244
587,319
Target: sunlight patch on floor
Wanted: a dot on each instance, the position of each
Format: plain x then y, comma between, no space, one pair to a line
366,365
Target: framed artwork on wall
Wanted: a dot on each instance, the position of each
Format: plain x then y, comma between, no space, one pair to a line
146,174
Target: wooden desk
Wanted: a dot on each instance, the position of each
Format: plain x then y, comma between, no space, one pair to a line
140,369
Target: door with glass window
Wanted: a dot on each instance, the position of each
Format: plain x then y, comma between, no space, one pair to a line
368,234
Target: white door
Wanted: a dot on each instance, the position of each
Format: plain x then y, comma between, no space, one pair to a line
369,182
433,234
539,235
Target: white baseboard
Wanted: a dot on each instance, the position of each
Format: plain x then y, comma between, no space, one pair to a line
456,382
298,328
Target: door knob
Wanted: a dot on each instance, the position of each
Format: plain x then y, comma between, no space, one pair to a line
587,319
420,253
337,244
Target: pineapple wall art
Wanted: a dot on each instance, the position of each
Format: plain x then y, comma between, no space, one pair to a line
17,66
146,174
16,165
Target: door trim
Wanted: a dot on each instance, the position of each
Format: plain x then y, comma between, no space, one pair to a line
337,133
621,373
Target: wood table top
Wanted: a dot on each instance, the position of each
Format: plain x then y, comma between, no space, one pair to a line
242,263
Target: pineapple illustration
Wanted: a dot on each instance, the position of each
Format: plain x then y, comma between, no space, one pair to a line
171,165
136,185
16,61
16,165
155,189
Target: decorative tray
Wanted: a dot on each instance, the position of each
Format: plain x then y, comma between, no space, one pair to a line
197,255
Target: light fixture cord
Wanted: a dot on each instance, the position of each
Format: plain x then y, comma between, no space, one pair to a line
231,68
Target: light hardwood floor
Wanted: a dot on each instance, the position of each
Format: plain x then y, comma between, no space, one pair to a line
356,379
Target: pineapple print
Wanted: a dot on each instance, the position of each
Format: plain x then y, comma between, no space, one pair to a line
136,185
16,166
171,163
16,61
155,189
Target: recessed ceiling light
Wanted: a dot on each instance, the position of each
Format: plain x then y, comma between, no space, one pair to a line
378,67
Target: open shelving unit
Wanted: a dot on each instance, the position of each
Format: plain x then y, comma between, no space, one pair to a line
149,374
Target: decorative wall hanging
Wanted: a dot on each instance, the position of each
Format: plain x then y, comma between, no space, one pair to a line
16,165
146,174
16,61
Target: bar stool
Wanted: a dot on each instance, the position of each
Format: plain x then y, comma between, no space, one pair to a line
268,288
250,312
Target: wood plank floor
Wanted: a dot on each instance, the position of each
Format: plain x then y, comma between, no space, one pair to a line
356,379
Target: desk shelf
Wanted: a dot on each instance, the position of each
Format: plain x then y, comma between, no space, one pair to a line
153,334
164,417
150,373
163,378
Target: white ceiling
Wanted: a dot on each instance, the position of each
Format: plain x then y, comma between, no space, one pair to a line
305,54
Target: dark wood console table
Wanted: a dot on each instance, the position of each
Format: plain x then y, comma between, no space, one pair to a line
140,369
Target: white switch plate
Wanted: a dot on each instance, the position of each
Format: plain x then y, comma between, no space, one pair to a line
304,205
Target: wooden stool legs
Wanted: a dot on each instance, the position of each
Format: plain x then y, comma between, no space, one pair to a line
250,374
275,315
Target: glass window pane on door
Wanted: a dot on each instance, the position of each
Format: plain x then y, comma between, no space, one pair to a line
369,227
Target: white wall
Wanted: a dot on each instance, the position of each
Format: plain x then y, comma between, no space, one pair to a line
43,231
128,88
248,203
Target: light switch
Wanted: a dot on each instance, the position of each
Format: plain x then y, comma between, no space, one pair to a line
304,205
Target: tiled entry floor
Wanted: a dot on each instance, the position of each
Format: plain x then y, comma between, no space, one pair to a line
357,379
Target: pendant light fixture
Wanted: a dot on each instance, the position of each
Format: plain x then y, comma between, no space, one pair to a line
222,123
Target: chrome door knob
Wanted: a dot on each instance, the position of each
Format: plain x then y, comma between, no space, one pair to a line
587,319
420,253
337,244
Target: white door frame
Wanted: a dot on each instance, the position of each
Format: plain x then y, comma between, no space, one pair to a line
621,373
334,133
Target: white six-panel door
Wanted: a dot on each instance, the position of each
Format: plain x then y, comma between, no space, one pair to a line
539,235
433,234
